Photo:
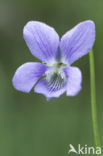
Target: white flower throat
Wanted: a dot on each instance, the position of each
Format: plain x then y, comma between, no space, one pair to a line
56,77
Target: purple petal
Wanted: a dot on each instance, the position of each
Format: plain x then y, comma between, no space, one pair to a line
42,40
27,75
74,77
43,88
78,41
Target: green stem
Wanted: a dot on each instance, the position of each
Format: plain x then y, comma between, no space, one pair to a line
93,99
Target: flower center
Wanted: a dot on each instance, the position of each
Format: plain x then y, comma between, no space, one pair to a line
56,77
59,65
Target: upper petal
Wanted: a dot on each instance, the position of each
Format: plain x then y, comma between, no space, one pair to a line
78,41
42,40
42,87
74,81
27,75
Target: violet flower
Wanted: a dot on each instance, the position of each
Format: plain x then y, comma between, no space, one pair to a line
54,75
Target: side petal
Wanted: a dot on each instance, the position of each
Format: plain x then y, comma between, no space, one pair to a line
43,88
74,81
27,75
78,41
42,40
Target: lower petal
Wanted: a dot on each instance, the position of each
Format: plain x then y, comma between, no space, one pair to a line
74,77
42,87
27,75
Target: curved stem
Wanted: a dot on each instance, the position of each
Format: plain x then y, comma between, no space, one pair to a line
93,99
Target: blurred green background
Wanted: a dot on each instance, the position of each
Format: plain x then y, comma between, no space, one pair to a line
29,125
